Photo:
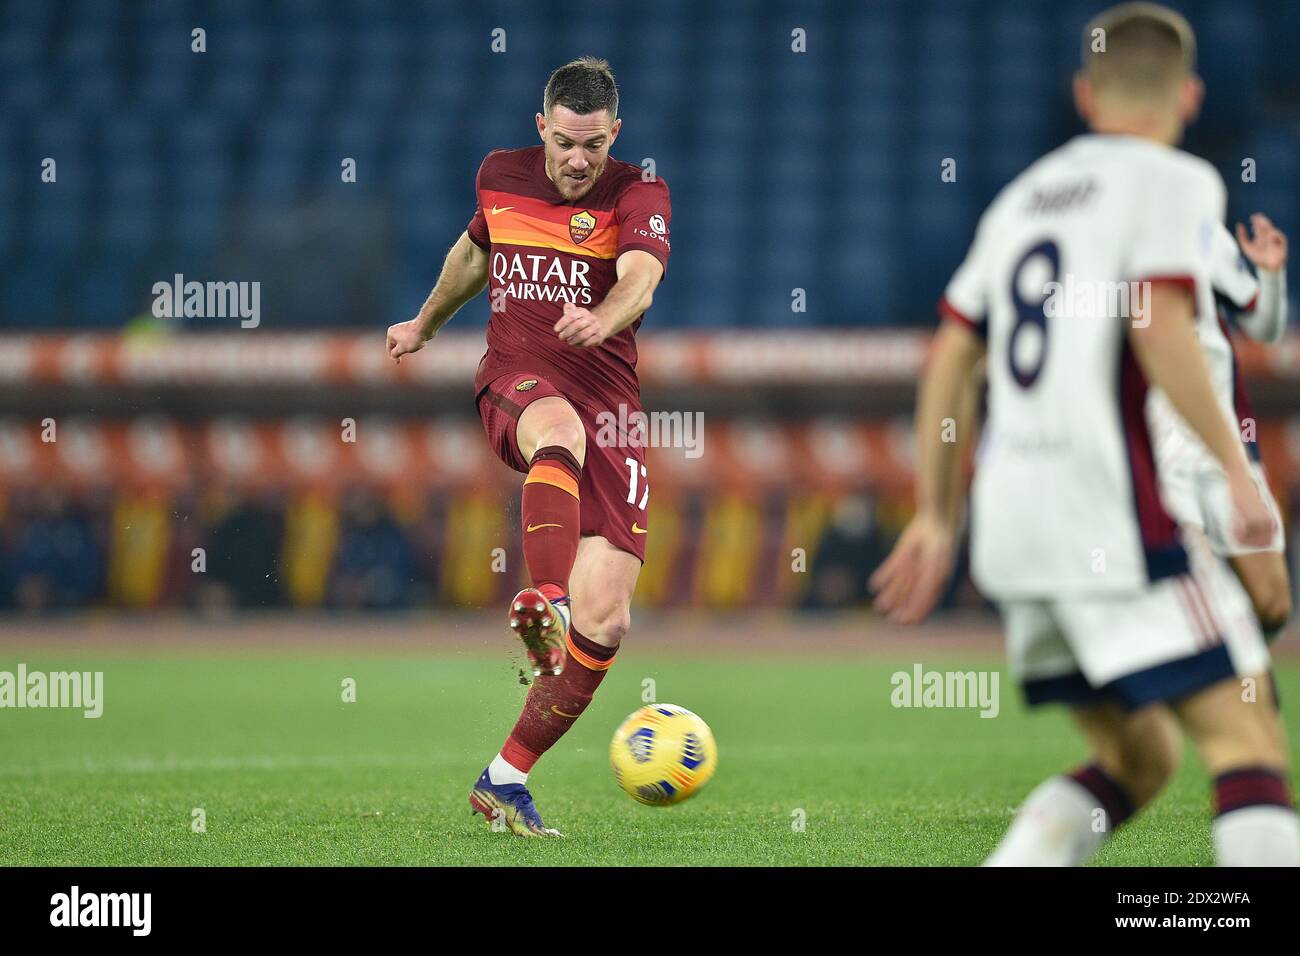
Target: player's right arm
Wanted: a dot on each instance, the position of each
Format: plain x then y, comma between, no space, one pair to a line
1170,355
911,580
464,274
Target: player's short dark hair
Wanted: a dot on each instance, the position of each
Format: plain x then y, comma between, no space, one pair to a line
585,85
1148,48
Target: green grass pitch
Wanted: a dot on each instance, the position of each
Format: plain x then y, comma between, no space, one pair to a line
289,774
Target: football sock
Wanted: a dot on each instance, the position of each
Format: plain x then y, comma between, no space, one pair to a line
1255,823
1064,821
551,519
501,771
554,702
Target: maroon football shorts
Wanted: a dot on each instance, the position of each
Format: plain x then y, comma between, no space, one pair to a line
613,493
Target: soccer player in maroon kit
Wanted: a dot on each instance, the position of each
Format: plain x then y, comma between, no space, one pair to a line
571,245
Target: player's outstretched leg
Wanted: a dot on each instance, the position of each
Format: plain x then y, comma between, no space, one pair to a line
551,435
1068,817
1235,730
604,578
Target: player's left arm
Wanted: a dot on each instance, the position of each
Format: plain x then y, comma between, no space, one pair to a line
638,275
1267,249
910,581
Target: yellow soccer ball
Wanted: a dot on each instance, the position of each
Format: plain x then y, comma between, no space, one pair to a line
662,754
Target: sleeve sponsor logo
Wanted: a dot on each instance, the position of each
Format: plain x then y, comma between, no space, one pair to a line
655,228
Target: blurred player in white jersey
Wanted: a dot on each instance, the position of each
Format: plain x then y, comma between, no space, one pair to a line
1192,484
1083,284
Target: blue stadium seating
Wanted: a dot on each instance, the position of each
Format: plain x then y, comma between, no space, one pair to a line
816,170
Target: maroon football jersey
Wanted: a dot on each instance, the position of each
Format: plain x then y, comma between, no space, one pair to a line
544,251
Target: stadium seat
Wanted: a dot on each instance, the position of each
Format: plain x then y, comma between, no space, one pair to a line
31,291
166,149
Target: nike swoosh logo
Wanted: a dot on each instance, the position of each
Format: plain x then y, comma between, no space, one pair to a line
535,527
496,210
636,530
559,713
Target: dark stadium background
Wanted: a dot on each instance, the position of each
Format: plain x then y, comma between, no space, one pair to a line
816,171
290,561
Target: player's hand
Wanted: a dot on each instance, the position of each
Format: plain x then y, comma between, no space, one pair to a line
581,327
1268,248
1253,523
405,338
910,581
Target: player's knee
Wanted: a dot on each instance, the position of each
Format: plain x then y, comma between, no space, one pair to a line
566,434
608,624
549,422
615,626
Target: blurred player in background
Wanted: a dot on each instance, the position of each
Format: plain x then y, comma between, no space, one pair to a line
1192,484
1106,609
571,244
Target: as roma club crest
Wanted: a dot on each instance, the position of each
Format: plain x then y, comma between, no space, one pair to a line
581,225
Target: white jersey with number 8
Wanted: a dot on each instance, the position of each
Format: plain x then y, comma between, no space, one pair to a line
1065,496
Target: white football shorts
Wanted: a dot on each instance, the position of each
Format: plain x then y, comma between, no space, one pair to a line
1175,637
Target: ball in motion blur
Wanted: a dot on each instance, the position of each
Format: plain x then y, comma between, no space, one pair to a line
662,754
